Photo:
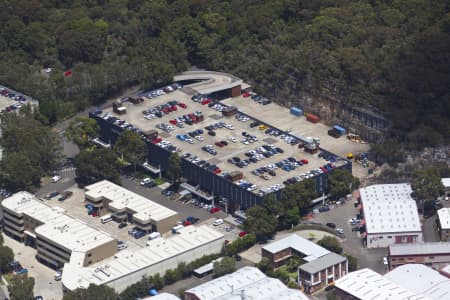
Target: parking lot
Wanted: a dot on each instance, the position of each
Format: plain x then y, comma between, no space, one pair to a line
11,100
236,143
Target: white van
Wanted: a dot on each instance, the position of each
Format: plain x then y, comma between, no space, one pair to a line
154,235
218,222
106,219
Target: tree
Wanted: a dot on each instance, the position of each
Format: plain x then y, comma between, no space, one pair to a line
21,287
426,184
298,195
30,150
290,218
6,258
174,168
81,131
272,205
260,222
95,165
265,265
131,147
341,182
352,262
331,243
225,266
93,292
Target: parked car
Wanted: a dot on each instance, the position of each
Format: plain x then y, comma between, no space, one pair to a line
56,178
122,225
331,225
214,210
218,222
324,209
242,233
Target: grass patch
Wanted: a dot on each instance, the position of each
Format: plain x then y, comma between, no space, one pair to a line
159,181
8,277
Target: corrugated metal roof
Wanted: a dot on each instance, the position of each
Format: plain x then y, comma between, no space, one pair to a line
420,248
389,208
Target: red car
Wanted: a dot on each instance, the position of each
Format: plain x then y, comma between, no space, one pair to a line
217,171
304,161
187,223
206,101
324,169
156,141
173,122
242,233
173,108
182,105
214,210
218,144
166,111
246,95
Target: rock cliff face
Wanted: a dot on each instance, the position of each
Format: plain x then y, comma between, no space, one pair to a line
369,123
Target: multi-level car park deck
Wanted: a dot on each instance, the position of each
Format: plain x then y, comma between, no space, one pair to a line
256,141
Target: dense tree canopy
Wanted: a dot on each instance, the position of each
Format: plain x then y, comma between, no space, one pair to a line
21,287
97,164
131,147
341,182
427,184
392,55
93,292
81,131
30,150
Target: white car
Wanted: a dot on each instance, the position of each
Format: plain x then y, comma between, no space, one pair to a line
122,246
200,138
218,222
56,178
340,230
385,261
58,275
145,181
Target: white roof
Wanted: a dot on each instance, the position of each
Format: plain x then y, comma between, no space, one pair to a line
445,271
421,279
129,261
389,208
420,248
145,209
446,182
247,281
366,284
311,250
444,217
162,296
57,227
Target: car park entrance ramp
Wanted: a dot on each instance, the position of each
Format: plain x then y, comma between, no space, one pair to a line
208,82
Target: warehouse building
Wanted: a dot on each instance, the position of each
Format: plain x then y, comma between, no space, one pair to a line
321,269
443,222
246,283
435,255
128,267
200,180
57,237
126,206
390,215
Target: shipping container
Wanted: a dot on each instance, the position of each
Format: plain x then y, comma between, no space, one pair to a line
312,118
296,111
340,129
334,133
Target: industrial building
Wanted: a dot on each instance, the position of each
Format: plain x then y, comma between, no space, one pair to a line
435,255
321,269
58,238
128,267
212,184
443,223
407,282
246,283
446,184
126,206
390,215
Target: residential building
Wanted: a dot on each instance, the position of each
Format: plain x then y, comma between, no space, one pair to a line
443,223
407,282
57,237
390,215
126,206
322,267
246,283
435,255
161,254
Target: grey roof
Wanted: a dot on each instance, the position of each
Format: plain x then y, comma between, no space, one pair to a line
311,250
420,248
249,282
323,262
